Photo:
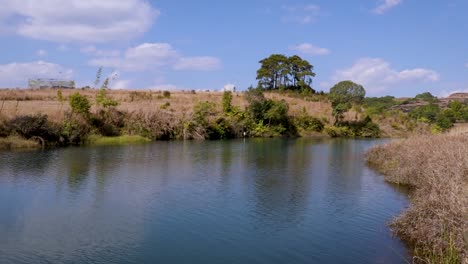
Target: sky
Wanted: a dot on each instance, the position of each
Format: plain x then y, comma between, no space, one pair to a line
391,47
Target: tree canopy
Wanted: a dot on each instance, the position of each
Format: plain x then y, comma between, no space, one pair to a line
281,72
343,95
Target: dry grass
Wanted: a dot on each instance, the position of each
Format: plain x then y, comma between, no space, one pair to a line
437,168
15,102
15,143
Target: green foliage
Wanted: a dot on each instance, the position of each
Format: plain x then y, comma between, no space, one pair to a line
165,105
79,104
75,131
427,96
281,72
308,122
378,105
270,113
29,126
227,102
105,84
118,140
427,113
98,77
364,128
103,100
343,95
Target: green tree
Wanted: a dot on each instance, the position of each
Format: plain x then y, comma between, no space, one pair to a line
273,71
281,72
80,104
98,77
302,73
343,95
227,102
427,96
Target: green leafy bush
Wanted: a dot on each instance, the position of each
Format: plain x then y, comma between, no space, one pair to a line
80,104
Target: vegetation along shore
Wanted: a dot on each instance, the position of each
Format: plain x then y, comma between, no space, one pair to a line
436,168
283,104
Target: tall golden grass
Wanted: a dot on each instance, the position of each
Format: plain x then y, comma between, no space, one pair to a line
14,102
437,167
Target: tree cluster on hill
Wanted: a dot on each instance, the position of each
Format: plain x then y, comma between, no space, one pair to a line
281,72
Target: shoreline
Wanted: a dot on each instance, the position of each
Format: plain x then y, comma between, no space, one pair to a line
436,170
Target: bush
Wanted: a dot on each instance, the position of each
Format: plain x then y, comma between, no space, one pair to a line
365,128
427,112
227,102
29,126
309,123
80,104
428,97
166,94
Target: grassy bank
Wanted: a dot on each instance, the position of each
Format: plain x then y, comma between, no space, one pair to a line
17,143
96,140
437,168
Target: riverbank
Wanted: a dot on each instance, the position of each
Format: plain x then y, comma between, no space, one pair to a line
436,167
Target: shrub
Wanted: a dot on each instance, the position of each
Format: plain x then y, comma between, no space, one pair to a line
308,122
75,130
227,102
29,126
427,96
166,94
165,105
103,100
80,104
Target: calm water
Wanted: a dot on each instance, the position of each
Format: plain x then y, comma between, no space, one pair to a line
241,201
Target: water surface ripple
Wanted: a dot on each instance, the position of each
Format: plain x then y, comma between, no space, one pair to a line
240,201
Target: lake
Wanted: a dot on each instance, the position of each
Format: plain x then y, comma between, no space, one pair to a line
238,201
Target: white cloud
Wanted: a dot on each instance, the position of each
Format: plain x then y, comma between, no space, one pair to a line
301,14
155,55
385,6
41,53
77,20
229,87
120,84
376,75
309,49
466,65
446,93
92,50
17,74
165,87
197,64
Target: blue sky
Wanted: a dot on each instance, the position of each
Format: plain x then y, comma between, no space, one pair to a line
391,47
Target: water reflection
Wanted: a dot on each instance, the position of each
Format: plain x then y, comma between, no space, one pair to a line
263,201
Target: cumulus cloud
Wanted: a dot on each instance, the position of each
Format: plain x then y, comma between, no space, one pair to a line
446,93
301,14
120,84
376,75
16,74
76,20
309,49
385,6
93,51
41,53
155,55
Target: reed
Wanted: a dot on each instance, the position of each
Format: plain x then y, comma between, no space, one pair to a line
436,167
